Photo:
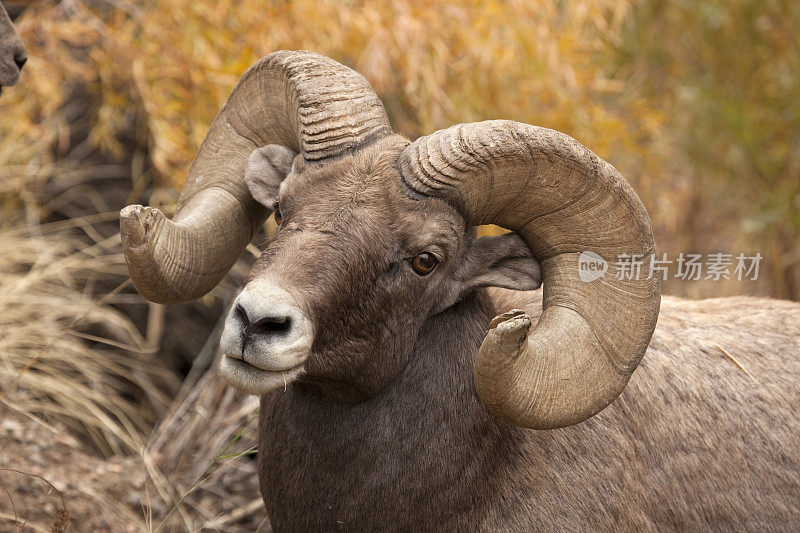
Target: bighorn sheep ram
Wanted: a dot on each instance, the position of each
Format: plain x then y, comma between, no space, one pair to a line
384,406
12,52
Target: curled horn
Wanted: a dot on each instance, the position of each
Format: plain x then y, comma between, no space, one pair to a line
562,200
301,100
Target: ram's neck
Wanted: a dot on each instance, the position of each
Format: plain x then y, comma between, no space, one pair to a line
427,431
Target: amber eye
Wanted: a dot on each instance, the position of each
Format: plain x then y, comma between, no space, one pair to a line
424,263
278,216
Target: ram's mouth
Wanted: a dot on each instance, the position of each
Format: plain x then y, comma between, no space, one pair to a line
252,379
246,364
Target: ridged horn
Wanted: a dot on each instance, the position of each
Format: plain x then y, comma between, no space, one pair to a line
562,200
302,100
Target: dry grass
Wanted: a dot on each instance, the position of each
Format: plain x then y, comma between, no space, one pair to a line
735,361
70,359
67,354
73,362
199,460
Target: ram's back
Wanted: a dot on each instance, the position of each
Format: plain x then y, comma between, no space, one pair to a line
707,432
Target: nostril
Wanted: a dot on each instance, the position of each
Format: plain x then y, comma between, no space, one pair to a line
20,60
269,326
241,314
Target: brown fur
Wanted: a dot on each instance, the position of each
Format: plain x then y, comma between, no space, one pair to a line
385,431
12,51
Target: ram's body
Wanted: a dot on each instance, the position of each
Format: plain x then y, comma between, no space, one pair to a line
694,441
12,51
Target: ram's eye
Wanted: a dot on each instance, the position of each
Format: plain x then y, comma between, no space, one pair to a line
278,216
424,263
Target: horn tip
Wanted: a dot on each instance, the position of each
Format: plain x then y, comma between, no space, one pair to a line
508,330
136,223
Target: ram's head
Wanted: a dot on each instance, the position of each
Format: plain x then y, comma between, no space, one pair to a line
12,52
377,234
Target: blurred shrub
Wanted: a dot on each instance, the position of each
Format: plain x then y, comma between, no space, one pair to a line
690,101
433,64
727,74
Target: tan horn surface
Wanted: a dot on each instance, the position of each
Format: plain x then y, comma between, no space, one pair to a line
562,200
302,100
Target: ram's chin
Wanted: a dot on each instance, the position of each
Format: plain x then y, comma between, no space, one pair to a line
250,379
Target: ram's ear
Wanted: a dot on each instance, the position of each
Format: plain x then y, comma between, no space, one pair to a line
266,168
501,261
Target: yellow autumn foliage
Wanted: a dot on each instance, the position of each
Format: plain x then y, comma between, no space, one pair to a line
432,63
622,76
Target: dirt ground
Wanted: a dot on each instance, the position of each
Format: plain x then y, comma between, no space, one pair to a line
43,470
89,488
